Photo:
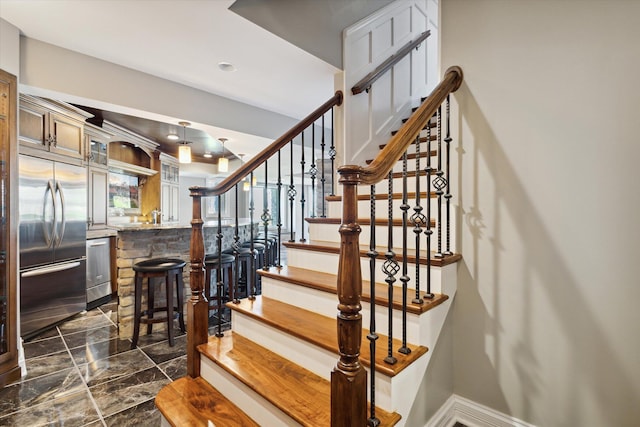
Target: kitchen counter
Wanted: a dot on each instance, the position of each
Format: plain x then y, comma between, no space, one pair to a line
98,234
137,242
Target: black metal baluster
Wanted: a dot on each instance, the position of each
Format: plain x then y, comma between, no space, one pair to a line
372,336
428,231
219,285
332,156
254,290
447,196
390,268
404,207
313,170
439,183
236,254
302,200
292,197
265,215
322,177
279,225
418,219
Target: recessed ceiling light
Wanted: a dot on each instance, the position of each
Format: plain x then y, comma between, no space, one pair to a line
173,137
226,66
208,155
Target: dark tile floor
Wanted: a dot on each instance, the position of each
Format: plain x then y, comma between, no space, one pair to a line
82,374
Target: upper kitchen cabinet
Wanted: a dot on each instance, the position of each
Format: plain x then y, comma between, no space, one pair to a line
97,146
51,126
169,189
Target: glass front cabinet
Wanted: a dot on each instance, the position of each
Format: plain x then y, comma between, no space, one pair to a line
9,369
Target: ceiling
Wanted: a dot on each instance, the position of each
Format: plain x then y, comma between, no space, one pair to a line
183,41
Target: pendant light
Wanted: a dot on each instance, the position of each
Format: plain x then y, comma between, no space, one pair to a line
184,151
223,162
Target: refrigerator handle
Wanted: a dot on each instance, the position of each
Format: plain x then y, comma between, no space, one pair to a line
48,232
63,222
48,270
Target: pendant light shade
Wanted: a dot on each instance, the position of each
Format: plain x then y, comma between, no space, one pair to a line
184,151
246,186
223,162
184,154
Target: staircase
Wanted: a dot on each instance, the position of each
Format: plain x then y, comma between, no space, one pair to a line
286,359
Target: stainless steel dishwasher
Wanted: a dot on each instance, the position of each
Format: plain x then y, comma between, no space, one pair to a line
98,272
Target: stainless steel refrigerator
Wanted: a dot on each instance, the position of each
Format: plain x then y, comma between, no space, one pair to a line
53,220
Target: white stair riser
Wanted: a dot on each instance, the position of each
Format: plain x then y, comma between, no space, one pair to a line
250,402
329,232
317,360
419,327
383,186
328,263
382,208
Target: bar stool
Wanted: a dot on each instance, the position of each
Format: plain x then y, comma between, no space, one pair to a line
259,248
211,265
272,246
170,269
245,258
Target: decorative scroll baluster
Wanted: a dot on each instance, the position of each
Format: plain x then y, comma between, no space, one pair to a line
236,254
390,268
322,177
372,336
265,215
313,170
254,290
439,183
219,284
332,156
292,197
428,232
447,196
418,218
404,207
302,200
279,225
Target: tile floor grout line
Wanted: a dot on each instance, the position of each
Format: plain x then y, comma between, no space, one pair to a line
88,390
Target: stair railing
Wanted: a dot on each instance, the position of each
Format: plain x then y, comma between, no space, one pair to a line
198,304
348,379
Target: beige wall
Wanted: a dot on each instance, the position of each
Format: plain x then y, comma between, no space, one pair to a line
9,48
546,324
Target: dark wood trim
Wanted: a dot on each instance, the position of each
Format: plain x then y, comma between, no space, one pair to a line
394,196
244,170
396,222
369,79
9,369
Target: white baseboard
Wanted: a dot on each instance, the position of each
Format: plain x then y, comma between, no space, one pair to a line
471,414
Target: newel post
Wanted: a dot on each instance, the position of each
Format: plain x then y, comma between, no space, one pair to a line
348,378
197,307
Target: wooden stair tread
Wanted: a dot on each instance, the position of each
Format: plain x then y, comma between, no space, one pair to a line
421,139
334,247
384,196
194,402
299,393
321,331
327,282
396,222
412,156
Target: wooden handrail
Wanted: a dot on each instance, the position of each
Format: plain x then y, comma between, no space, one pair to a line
380,167
369,79
248,167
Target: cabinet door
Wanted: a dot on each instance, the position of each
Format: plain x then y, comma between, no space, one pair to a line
96,150
175,202
34,127
67,136
97,209
165,199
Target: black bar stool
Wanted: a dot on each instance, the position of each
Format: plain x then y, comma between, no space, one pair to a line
259,248
246,278
211,265
170,269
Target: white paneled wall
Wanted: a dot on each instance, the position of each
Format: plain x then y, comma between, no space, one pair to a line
373,115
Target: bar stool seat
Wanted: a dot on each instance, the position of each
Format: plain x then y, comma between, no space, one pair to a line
211,264
171,270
